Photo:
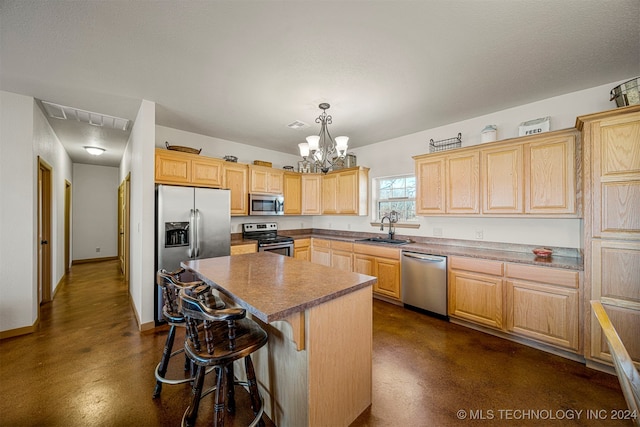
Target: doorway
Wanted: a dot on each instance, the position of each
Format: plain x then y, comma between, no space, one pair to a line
44,232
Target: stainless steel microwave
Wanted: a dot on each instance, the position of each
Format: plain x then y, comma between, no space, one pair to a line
266,204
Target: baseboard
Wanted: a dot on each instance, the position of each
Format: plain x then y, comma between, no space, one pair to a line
142,327
19,331
61,283
87,260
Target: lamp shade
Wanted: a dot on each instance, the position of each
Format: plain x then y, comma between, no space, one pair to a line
342,143
314,142
304,149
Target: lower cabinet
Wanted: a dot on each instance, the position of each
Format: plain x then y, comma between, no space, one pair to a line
247,248
543,304
475,291
538,303
381,262
321,251
342,255
302,249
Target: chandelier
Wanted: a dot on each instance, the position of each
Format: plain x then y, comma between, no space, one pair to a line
321,150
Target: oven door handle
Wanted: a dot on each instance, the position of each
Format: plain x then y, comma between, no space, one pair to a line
272,245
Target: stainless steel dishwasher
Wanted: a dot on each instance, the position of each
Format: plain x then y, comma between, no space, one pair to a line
424,282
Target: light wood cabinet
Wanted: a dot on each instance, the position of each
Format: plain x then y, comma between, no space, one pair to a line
543,304
342,255
245,248
292,186
321,251
235,178
533,175
178,168
381,262
302,249
345,192
502,180
311,194
475,291
264,179
550,174
611,163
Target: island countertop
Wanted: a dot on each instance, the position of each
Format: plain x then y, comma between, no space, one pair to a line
272,287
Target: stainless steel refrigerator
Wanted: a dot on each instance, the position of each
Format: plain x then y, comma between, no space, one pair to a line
191,223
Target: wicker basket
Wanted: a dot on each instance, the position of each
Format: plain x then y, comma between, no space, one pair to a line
183,149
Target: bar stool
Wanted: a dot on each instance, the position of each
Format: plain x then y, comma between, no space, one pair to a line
217,338
171,285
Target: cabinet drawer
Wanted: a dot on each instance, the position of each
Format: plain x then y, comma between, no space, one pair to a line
301,243
553,276
342,246
494,268
321,243
378,251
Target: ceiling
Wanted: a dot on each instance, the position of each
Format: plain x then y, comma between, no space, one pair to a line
243,70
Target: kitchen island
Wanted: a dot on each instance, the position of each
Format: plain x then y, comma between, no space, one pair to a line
316,368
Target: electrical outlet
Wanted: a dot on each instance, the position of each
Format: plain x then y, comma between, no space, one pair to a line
437,231
348,226
329,226
97,249
479,234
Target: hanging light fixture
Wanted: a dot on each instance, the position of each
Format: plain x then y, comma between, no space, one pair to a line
321,150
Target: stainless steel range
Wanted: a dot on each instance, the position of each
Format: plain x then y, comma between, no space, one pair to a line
266,233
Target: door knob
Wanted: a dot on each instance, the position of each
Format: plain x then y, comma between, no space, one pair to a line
43,242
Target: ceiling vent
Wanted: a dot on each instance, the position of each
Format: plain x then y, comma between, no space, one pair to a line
95,119
298,125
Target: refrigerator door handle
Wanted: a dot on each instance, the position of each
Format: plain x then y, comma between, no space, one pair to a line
192,232
197,240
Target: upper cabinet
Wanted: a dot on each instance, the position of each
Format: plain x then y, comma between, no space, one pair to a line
534,175
292,193
235,178
179,168
264,179
311,194
345,192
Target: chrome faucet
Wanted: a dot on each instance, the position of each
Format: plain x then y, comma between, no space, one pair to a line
392,217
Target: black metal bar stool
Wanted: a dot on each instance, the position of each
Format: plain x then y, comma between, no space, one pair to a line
217,338
171,285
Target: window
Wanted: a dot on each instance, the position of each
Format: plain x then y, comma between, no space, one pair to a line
396,193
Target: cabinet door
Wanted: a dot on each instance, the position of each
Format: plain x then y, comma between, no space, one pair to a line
542,312
476,298
206,172
311,194
258,180
303,253
463,183
235,179
388,274
172,168
615,278
275,182
550,176
430,181
292,194
616,177
342,260
502,180
347,192
329,194
321,252
364,264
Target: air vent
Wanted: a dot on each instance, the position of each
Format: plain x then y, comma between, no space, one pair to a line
298,125
61,112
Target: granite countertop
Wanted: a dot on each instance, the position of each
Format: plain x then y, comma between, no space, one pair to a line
566,258
272,287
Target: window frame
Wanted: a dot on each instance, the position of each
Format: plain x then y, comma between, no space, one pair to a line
375,212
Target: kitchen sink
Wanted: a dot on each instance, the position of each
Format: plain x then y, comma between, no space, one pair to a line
385,240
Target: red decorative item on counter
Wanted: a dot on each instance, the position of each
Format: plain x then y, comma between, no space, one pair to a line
543,252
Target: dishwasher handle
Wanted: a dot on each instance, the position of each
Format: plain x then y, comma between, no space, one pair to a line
423,257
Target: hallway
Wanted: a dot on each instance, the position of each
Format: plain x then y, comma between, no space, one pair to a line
87,365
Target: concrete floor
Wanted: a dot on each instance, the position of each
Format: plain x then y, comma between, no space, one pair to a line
87,365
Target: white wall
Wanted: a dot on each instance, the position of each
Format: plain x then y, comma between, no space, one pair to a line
47,145
18,284
25,135
95,211
139,161
393,157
